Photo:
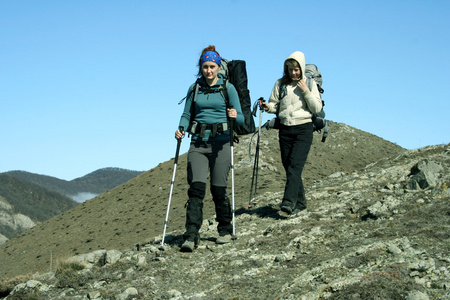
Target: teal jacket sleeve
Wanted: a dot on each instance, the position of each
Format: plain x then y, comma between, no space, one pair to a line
186,115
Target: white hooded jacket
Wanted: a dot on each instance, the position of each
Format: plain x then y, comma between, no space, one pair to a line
296,107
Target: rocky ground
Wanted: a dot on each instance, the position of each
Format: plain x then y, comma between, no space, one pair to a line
379,232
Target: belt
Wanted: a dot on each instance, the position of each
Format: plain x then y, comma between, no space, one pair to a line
200,128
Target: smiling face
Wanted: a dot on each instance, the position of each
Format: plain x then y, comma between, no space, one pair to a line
210,70
294,71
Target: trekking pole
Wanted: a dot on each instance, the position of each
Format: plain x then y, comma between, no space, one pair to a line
256,162
255,167
171,188
232,175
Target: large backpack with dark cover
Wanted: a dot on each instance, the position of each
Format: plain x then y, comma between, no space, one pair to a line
235,71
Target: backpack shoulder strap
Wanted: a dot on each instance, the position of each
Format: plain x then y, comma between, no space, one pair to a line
195,89
224,92
282,91
192,108
309,83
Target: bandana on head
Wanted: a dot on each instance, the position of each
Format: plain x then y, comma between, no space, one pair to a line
211,56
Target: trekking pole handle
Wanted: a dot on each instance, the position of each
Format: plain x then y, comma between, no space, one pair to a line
177,153
179,133
262,101
231,127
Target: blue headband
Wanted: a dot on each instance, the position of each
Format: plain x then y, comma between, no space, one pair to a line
211,56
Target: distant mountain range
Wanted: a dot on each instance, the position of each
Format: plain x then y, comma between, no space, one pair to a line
93,183
27,198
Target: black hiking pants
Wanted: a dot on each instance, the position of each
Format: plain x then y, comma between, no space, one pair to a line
295,143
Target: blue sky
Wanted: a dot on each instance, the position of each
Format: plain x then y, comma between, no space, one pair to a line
91,84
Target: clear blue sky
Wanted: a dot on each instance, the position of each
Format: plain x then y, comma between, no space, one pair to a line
91,84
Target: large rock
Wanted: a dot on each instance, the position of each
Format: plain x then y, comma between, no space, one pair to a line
12,222
3,239
424,174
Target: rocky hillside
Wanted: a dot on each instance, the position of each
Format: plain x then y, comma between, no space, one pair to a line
377,227
12,223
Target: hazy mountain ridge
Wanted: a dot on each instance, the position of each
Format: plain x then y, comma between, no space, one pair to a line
104,179
95,182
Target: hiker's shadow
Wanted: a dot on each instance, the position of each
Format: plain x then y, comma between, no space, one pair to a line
267,211
174,241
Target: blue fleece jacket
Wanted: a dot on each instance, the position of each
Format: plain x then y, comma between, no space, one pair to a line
210,108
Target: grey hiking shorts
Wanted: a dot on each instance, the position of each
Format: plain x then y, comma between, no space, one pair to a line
212,156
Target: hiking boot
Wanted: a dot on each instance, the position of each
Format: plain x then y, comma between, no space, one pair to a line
188,246
287,209
225,239
298,209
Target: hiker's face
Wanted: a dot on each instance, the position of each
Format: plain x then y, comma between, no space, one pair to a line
210,69
295,72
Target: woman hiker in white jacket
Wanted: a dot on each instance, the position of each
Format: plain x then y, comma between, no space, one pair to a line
294,105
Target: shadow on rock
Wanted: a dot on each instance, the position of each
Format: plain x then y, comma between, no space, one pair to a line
267,211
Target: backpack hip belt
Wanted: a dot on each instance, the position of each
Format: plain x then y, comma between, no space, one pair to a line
200,128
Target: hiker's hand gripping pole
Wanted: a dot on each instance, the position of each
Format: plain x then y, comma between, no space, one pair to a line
178,135
263,104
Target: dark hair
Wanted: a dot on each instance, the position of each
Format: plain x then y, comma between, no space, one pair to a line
209,48
286,79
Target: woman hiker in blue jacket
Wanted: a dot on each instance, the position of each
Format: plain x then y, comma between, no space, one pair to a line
206,120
